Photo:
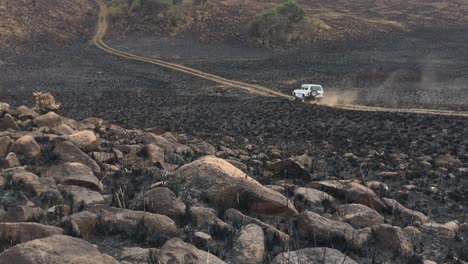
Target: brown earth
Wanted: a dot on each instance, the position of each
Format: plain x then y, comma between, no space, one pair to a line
43,24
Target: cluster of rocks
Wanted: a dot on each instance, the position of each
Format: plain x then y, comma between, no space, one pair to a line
149,196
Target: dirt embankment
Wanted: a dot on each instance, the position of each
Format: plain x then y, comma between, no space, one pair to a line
43,24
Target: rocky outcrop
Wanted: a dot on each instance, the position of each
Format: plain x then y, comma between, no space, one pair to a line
393,238
85,140
237,219
159,200
205,219
74,173
68,152
227,186
324,230
82,224
177,251
405,215
55,249
27,147
49,120
311,199
23,232
111,185
352,192
249,245
117,220
358,215
313,255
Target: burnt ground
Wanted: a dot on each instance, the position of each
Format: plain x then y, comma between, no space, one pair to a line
408,72
422,69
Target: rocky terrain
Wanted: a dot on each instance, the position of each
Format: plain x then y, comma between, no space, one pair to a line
146,165
152,196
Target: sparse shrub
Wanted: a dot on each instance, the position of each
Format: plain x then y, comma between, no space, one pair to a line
169,11
45,102
137,5
281,25
117,8
319,24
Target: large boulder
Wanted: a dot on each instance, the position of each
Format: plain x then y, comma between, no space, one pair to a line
203,148
358,193
205,219
177,251
22,214
68,152
161,142
11,161
5,143
24,113
237,219
23,232
320,255
27,147
8,122
359,215
55,249
291,168
324,230
21,179
80,195
85,140
393,238
333,187
443,231
83,223
50,120
249,245
135,255
227,186
63,130
153,153
311,199
74,173
404,215
129,221
311,224
351,191
159,200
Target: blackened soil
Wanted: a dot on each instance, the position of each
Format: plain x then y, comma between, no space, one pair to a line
89,82
421,69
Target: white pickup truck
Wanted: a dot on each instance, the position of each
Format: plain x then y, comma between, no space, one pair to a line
308,91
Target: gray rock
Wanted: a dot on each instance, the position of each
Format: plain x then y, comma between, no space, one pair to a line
320,255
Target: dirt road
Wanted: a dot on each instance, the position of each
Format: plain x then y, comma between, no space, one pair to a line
101,30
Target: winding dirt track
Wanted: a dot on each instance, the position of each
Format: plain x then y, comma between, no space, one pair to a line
101,30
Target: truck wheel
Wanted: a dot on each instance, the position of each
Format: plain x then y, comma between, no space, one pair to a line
303,98
314,93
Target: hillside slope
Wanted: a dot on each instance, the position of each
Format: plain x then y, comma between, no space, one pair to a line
332,21
41,24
